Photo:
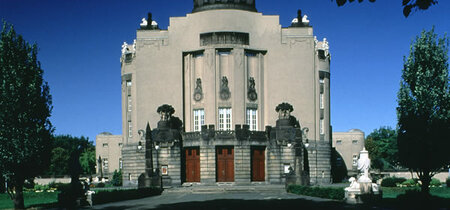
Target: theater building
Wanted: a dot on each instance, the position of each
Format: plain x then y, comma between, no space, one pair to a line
226,70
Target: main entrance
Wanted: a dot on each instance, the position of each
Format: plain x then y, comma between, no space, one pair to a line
258,163
225,164
192,164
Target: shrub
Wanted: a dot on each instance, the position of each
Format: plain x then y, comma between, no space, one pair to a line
101,184
29,184
322,192
447,182
39,187
117,178
59,186
120,195
435,182
409,183
392,181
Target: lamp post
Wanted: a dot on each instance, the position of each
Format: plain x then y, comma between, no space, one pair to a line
157,162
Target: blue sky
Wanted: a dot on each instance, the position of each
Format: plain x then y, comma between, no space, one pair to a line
80,41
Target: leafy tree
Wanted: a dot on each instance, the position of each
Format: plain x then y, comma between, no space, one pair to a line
25,108
63,146
424,108
58,162
408,5
72,143
382,147
87,161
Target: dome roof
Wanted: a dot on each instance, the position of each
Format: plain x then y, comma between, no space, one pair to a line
355,131
203,5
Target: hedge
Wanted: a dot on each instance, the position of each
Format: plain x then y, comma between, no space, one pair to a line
392,181
321,192
447,182
120,195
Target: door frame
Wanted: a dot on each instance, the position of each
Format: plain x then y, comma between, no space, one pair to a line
252,149
217,162
185,149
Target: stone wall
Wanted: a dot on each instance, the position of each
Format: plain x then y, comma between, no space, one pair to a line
319,157
133,163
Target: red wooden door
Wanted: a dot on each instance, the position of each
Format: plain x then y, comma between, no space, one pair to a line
225,164
192,164
258,161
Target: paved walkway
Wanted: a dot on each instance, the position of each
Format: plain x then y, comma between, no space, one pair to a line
226,197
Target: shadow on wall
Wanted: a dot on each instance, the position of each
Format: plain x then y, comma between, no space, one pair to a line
338,168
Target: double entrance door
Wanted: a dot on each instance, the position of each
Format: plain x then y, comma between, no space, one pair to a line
225,164
192,164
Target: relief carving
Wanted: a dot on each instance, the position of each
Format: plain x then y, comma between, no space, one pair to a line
224,90
198,92
251,93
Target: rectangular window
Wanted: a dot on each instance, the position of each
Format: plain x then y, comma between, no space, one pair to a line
354,141
130,129
105,163
355,160
338,142
129,87
321,101
199,119
321,126
105,144
224,118
120,163
321,81
252,119
120,144
129,103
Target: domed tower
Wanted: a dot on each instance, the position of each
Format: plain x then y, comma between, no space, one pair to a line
202,5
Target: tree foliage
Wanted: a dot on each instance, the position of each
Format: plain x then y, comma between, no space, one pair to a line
65,145
382,147
25,108
284,107
87,161
424,107
408,5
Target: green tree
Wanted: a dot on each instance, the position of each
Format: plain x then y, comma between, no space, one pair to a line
87,161
117,178
424,108
25,108
58,162
408,5
63,146
382,147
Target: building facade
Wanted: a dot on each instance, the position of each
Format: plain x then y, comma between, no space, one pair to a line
348,146
225,68
108,150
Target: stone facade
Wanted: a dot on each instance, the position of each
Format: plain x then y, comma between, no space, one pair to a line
108,153
348,145
227,66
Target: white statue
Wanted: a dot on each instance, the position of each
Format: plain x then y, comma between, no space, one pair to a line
144,22
154,23
363,166
295,20
353,183
134,46
305,19
325,45
124,48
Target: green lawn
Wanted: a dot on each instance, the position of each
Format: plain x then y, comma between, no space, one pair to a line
31,198
393,192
